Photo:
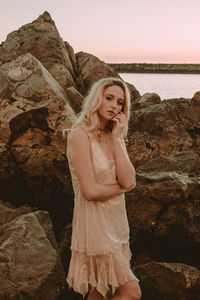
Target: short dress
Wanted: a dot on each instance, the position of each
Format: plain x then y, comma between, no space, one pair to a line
100,253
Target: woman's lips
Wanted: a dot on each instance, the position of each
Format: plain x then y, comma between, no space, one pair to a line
111,112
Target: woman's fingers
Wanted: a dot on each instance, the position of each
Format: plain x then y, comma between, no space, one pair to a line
120,117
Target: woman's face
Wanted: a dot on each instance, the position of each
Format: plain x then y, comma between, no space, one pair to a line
112,102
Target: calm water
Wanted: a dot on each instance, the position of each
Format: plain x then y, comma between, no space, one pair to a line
167,86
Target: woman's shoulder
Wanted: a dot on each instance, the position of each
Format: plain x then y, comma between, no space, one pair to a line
81,125
78,130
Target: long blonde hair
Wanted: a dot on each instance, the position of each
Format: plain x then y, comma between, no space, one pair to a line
93,100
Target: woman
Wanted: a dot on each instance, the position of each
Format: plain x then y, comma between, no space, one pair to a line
101,172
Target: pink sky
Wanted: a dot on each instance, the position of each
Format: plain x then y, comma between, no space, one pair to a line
165,31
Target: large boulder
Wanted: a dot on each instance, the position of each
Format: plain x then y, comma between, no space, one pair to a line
33,154
162,129
30,265
164,210
91,69
41,38
145,100
168,281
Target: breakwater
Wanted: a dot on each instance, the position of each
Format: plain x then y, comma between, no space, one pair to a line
156,68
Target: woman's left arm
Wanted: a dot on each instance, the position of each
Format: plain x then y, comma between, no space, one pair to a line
126,174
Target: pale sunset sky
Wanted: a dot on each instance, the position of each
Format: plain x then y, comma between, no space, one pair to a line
151,31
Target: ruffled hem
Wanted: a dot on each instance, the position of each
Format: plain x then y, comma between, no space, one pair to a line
100,271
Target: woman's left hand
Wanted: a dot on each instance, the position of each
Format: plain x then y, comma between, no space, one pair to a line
119,123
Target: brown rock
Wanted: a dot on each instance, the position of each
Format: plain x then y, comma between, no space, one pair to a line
72,56
150,97
8,212
35,95
64,242
75,99
42,40
91,69
38,173
134,92
186,161
32,159
162,129
4,87
166,281
62,75
164,210
196,99
30,265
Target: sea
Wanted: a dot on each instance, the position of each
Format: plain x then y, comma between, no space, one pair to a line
167,86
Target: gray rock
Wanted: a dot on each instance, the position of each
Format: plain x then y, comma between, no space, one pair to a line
30,266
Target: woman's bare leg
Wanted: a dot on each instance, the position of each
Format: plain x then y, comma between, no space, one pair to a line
95,295
129,291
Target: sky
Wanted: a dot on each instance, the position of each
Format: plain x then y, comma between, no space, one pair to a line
117,31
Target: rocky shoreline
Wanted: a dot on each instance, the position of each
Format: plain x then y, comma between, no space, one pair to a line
156,68
42,86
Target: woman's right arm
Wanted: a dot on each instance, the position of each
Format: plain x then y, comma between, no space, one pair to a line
79,151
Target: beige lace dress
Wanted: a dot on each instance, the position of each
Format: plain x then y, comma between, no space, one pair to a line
100,254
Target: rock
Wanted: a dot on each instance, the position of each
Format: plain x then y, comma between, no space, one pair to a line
196,98
4,87
32,158
41,38
39,176
134,92
30,265
33,90
87,75
8,212
150,97
72,56
162,129
164,210
185,161
166,281
62,75
87,66
75,99
64,242
145,100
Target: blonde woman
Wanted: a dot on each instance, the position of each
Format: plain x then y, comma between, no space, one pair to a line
101,172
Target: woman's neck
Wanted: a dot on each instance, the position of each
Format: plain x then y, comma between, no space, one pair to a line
103,123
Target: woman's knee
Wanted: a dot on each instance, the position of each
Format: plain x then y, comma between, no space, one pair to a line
135,293
131,290
94,294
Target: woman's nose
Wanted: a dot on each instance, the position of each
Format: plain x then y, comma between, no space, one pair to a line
114,104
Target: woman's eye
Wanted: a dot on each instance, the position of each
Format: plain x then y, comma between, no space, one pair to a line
108,98
120,103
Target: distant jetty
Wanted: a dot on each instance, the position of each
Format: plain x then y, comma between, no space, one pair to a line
156,68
